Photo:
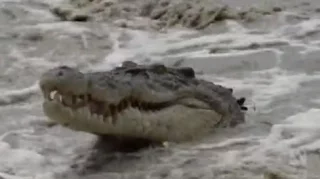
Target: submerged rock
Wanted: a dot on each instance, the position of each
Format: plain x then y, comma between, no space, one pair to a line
197,14
68,13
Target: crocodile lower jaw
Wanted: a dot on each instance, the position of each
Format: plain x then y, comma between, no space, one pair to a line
174,123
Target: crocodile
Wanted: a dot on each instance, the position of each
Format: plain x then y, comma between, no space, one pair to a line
154,102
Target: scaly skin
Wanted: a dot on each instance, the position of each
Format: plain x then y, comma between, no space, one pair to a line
151,102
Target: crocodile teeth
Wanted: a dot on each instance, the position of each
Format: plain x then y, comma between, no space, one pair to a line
109,120
100,118
52,94
78,100
94,119
87,113
57,97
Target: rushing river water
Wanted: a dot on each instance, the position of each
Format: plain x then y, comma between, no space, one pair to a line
274,63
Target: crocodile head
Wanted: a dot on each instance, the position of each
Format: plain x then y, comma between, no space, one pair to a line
154,102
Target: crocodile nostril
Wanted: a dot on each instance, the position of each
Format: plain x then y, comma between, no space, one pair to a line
60,73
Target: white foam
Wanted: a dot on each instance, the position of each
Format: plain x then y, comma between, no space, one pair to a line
15,163
288,141
50,2
158,46
24,162
63,27
306,27
227,143
39,14
267,85
304,130
11,96
300,133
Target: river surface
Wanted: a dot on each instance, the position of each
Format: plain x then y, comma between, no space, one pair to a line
273,62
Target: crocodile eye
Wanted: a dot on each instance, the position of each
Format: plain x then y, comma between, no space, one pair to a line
135,71
158,68
60,73
62,69
129,64
138,72
187,72
241,101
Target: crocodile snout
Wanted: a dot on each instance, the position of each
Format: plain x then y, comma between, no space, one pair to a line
64,80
